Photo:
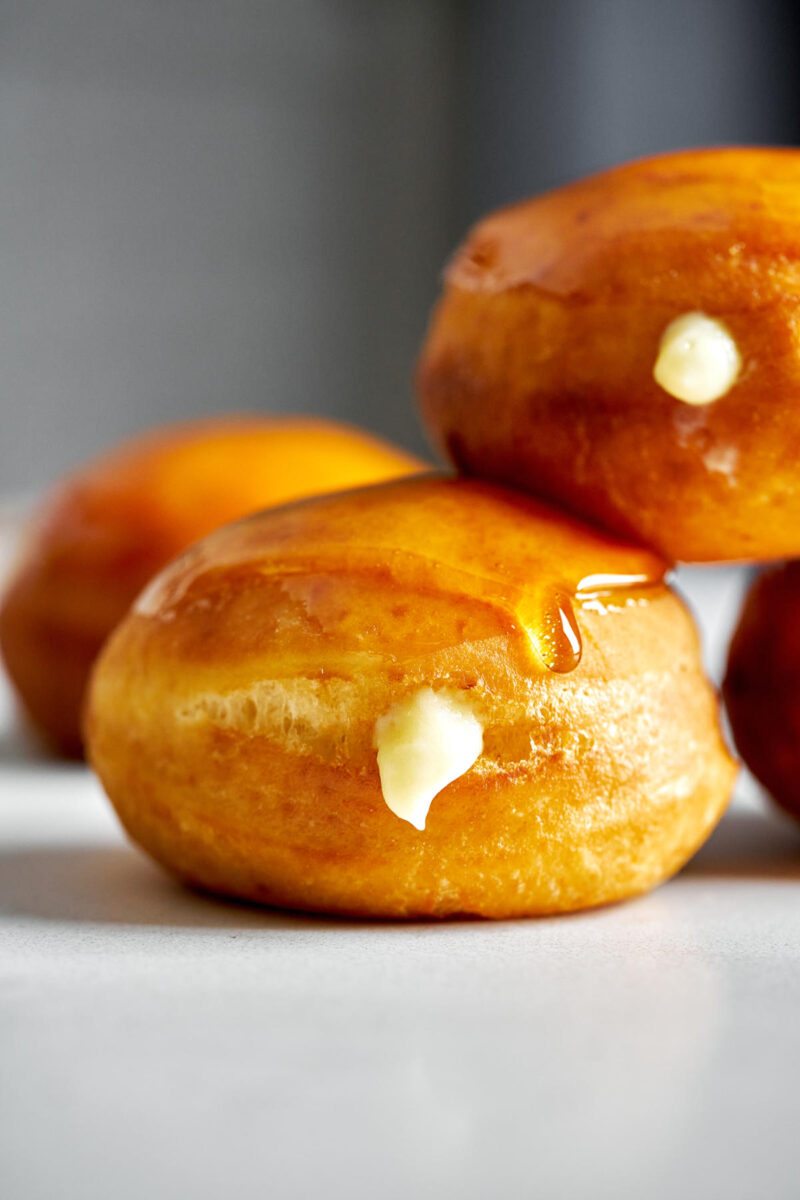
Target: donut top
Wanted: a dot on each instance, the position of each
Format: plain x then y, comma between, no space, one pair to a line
431,535
710,230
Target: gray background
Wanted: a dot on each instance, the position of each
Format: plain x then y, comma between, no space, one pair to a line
245,205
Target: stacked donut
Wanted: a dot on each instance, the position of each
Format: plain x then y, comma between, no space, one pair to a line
629,347
476,693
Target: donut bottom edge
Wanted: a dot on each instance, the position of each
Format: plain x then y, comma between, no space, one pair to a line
494,848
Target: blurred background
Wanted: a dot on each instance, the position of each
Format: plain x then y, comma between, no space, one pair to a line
212,206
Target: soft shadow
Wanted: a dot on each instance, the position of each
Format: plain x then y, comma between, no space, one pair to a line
750,845
115,886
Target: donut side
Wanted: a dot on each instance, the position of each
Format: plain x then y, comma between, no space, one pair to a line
762,684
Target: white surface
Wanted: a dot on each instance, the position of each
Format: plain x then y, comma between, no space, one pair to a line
154,1042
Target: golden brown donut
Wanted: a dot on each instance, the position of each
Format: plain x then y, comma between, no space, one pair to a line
557,315
108,528
424,640
762,684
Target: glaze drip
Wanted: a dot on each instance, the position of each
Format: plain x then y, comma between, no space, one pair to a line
549,621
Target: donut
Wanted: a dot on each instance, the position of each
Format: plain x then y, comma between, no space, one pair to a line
425,698
762,683
627,348
113,524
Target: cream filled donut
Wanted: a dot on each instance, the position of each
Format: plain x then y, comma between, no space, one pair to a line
426,698
627,347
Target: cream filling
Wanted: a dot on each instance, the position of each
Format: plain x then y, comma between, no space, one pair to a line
424,742
698,360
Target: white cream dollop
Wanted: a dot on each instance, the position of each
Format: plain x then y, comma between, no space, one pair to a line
424,742
698,360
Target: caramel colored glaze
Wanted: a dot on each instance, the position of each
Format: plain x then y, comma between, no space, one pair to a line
232,714
437,537
107,529
538,366
762,684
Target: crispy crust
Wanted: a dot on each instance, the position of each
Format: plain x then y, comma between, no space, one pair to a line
231,715
538,366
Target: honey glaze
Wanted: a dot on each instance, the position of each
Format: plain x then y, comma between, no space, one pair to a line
548,614
548,617
447,543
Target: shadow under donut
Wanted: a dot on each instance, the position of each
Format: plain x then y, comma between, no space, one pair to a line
112,885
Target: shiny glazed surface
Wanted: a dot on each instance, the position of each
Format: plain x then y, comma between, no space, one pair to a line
109,527
232,714
538,366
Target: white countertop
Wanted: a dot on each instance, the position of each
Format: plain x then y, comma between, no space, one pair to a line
154,1042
